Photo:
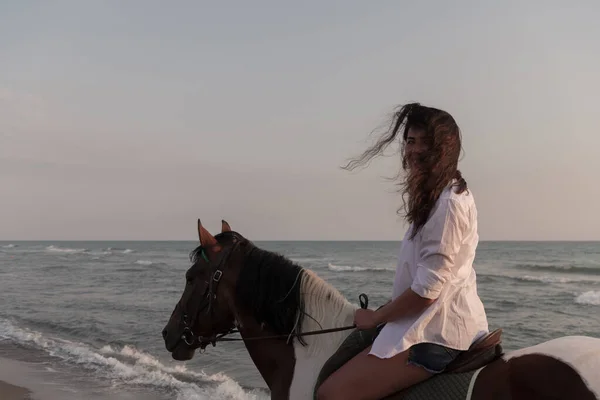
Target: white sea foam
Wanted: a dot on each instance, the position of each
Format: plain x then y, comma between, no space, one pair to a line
143,262
101,253
55,249
301,260
545,279
589,298
127,251
9,246
130,366
346,268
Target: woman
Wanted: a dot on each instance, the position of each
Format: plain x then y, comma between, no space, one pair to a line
435,312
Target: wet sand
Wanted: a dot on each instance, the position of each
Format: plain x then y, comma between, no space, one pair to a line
12,392
13,380
21,381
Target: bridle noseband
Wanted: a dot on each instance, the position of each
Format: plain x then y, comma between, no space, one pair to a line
210,298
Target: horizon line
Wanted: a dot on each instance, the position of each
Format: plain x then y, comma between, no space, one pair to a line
288,240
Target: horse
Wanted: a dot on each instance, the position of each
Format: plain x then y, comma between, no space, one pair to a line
293,325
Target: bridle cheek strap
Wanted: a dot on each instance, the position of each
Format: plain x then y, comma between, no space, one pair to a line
211,297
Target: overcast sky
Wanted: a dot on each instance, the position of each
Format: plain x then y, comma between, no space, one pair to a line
129,120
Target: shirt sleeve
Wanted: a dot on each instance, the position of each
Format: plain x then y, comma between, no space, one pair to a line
441,238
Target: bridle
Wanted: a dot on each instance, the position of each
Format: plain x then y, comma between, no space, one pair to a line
210,298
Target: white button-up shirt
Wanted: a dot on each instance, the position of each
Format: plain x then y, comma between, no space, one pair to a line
438,264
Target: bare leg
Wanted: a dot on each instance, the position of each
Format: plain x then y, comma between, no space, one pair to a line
367,377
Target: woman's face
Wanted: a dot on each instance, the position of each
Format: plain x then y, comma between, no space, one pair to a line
414,147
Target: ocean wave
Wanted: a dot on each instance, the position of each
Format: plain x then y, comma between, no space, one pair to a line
345,268
540,279
101,253
565,269
301,260
119,250
546,279
589,298
130,366
64,250
9,246
144,262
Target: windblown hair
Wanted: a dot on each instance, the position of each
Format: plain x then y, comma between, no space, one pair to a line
421,188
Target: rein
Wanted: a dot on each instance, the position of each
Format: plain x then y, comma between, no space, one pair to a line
204,341
364,303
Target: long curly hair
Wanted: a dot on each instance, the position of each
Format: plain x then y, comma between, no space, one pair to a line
421,187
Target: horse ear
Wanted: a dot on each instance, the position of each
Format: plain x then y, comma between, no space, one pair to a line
225,226
206,239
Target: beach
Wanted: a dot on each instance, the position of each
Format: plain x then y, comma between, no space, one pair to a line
18,382
38,380
12,392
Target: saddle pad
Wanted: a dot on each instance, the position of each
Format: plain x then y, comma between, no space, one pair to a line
439,387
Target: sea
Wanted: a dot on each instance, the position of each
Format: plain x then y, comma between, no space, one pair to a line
86,317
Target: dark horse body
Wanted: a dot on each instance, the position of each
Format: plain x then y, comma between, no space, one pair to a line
272,302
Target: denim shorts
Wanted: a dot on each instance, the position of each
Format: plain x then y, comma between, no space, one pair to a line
432,357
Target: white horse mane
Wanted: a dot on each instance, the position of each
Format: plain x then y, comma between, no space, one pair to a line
325,307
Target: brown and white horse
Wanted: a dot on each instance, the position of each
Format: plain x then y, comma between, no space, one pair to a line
272,301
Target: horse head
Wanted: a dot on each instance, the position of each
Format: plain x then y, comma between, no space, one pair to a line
205,308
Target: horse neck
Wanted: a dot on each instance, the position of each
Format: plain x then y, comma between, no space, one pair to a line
325,308
292,370
273,358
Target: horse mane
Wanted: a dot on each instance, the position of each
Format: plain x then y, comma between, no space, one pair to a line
269,285
325,308
287,297
196,254
284,296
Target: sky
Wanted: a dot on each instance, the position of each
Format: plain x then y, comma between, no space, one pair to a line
130,120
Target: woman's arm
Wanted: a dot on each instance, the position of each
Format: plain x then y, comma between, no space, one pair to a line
408,303
441,239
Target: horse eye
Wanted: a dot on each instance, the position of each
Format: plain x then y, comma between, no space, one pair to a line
189,280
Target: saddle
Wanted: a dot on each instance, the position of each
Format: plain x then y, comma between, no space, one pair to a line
482,352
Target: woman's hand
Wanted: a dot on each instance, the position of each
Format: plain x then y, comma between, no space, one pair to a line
366,319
